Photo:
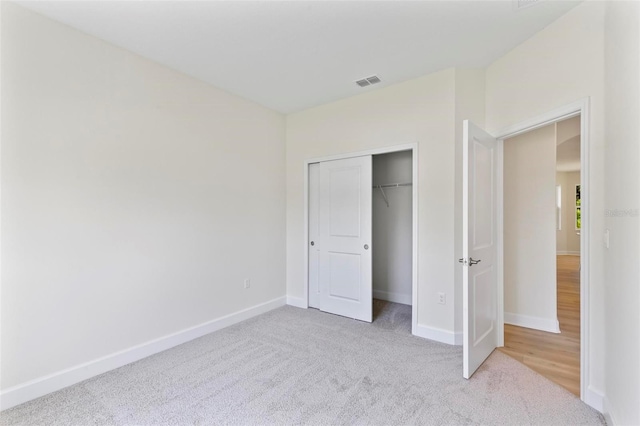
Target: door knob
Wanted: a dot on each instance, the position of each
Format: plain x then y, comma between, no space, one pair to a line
474,262
366,246
312,243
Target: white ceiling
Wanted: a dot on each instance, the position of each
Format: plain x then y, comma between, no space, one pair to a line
289,56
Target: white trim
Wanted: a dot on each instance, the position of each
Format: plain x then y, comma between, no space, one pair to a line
608,418
43,385
536,323
594,398
500,242
572,110
457,338
582,108
567,253
414,248
1,257
607,411
585,262
298,302
305,237
374,151
394,297
438,334
413,147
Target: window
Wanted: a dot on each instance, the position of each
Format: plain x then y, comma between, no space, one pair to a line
558,207
578,205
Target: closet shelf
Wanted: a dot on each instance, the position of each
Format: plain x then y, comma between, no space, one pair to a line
392,185
389,185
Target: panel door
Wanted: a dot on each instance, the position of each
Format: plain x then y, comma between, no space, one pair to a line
479,206
345,237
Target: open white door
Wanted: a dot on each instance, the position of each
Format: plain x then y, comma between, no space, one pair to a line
345,237
479,247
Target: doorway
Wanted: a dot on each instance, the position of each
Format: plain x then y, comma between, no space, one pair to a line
542,217
392,245
579,108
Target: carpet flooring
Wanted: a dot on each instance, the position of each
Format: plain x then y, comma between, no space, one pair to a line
295,366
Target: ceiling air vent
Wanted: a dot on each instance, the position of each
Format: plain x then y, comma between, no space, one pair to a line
368,81
373,79
521,4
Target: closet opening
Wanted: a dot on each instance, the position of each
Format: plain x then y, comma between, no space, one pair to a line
361,229
392,238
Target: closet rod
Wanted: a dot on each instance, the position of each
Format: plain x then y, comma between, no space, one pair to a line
392,185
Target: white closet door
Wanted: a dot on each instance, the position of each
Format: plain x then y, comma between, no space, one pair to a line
314,235
479,247
345,237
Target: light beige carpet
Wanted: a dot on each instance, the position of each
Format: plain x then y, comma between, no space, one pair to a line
295,366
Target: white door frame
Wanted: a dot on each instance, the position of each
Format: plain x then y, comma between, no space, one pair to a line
581,108
413,147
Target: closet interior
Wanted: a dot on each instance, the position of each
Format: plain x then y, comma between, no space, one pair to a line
392,226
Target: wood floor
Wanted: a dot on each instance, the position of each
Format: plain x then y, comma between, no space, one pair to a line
555,356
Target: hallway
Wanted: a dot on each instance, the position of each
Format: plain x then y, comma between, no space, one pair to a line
555,356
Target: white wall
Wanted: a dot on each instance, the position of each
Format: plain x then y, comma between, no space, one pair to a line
567,238
392,228
135,199
560,65
420,110
530,229
622,213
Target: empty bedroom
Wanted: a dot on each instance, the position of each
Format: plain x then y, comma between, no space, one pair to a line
227,212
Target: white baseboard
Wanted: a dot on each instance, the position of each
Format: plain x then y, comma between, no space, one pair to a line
568,253
437,334
458,338
298,302
608,413
390,296
594,399
36,388
536,323
608,418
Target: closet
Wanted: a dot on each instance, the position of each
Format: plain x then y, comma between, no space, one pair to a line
360,233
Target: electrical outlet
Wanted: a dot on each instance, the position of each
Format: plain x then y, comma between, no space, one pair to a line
247,283
442,298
